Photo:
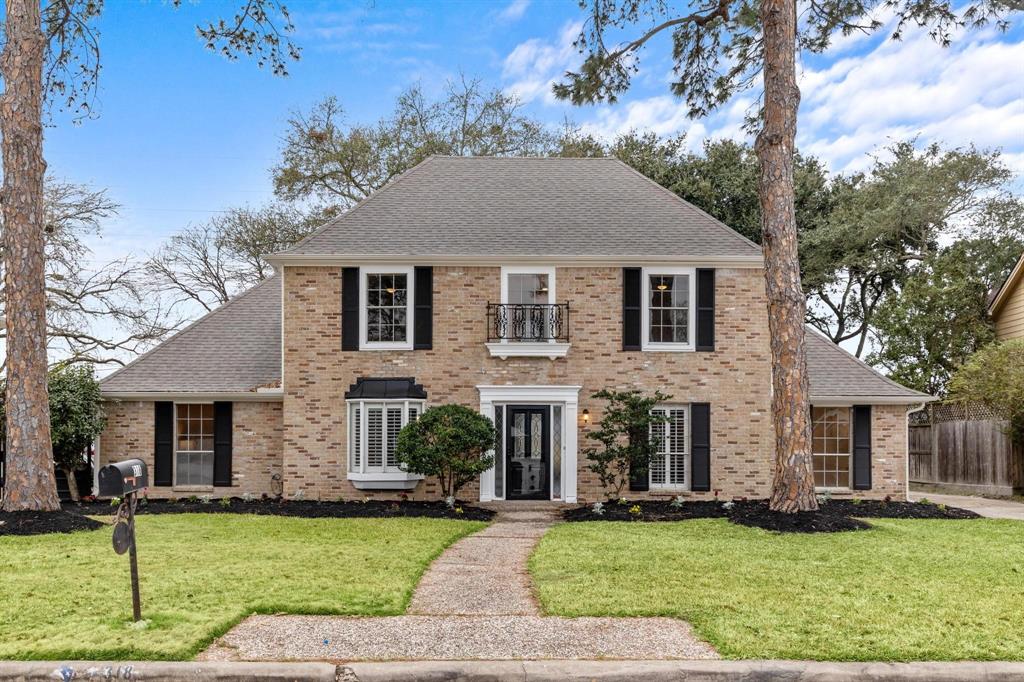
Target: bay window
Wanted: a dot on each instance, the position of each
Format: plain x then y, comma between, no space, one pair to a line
373,433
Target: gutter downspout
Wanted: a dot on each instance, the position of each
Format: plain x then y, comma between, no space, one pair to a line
906,462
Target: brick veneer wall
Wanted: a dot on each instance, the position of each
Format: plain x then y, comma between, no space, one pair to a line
735,378
256,445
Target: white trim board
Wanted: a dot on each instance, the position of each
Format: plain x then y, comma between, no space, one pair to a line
567,397
283,260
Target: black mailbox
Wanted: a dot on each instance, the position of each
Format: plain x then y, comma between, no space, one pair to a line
121,478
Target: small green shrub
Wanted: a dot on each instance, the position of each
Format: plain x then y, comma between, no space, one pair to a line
450,442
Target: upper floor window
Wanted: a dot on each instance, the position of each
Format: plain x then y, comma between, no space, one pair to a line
386,308
668,310
526,293
831,446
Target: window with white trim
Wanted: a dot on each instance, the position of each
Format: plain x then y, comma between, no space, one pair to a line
193,444
669,467
831,446
386,313
373,433
669,310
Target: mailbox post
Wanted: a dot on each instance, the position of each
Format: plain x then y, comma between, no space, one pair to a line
125,480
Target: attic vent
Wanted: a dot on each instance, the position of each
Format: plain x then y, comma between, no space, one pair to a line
367,388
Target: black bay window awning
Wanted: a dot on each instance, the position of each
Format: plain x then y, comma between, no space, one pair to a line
394,388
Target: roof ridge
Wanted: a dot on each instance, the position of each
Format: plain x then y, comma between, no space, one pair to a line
187,328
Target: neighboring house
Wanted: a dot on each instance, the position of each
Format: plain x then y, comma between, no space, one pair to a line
518,287
1007,306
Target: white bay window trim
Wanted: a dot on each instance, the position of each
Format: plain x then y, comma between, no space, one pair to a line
645,309
384,476
410,284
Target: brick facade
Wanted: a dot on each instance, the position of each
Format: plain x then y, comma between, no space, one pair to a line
735,378
300,444
256,446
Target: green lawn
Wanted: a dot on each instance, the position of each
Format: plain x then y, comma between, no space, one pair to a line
905,590
68,596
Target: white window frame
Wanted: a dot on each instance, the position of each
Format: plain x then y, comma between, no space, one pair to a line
687,453
364,470
527,270
849,455
211,452
551,348
691,325
364,275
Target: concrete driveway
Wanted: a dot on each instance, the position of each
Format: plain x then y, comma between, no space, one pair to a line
993,509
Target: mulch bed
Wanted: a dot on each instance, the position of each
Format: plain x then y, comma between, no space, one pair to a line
309,509
833,516
40,523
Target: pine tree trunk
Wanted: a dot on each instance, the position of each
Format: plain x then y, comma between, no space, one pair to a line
30,481
793,483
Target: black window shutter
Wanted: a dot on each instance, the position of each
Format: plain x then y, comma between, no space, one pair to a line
705,309
163,449
862,447
350,308
222,417
639,478
632,293
700,447
423,309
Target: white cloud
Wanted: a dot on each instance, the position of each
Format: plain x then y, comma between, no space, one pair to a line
514,11
534,66
969,92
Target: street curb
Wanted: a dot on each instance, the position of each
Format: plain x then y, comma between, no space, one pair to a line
158,671
526,671
678,671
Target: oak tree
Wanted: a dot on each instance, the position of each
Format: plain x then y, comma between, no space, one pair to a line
721,47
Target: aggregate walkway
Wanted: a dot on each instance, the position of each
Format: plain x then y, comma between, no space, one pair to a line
990,508
475,602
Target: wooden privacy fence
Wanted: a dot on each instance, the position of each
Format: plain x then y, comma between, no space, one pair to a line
964,448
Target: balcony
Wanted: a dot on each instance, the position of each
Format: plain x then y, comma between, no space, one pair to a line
528,330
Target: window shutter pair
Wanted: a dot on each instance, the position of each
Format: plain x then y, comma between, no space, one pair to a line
632,309
700,453
423,308
163,451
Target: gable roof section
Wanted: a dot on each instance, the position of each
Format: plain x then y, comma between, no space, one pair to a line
838,375
523,207
237,349
234,349
1009,284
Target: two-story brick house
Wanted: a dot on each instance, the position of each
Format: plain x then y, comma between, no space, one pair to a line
518,287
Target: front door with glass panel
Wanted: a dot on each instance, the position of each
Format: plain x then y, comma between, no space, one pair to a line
528,452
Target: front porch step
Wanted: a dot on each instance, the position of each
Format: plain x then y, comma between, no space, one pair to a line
525,505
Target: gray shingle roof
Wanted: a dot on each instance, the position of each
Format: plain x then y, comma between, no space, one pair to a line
524,207
833,372
235,348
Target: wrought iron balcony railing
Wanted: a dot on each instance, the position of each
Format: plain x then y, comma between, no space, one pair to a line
534,322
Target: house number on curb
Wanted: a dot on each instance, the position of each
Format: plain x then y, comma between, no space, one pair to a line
125,480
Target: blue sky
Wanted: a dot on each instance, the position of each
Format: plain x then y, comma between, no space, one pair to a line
182,133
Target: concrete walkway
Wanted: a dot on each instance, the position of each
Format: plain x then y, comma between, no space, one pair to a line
475,602
993,509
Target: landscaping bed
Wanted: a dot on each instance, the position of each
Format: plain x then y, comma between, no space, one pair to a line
301,508
40,523
832,516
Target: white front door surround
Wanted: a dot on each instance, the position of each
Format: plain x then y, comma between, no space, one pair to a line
567,397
